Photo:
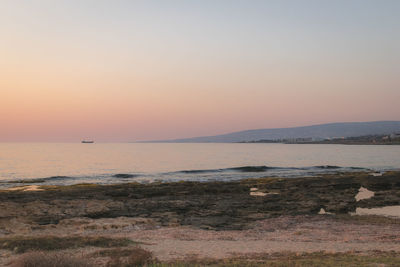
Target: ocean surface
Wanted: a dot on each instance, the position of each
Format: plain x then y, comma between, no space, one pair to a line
66,163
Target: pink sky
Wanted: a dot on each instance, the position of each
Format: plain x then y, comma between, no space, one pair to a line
69,72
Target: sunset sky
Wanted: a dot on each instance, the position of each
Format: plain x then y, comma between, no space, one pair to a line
120,70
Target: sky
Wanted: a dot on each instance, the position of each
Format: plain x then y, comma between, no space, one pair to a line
118,71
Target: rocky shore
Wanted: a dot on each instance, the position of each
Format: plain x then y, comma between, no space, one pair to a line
256,211
209,205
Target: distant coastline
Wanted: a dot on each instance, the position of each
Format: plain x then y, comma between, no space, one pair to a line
357,140
314,133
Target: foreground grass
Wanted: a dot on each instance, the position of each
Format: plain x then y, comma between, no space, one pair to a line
50,259
140,257
367,219
136,256
21,244
290,259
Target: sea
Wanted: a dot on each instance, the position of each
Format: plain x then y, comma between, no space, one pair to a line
111,163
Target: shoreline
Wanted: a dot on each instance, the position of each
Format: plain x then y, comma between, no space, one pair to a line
213,220
232,203
228,174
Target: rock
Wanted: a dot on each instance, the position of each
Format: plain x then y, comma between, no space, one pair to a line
208,205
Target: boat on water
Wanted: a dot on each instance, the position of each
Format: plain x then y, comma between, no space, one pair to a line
87,142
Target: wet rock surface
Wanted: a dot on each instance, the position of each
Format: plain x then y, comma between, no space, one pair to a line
209,205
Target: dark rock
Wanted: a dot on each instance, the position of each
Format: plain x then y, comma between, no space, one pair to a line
124,175
209,205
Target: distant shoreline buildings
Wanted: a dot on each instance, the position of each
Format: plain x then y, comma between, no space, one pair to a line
393,138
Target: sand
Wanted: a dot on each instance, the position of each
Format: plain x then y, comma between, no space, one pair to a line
295,234
389,211
282,234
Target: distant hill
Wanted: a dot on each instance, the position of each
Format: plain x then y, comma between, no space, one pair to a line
331,130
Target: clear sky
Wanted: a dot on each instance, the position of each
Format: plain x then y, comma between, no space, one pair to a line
139,70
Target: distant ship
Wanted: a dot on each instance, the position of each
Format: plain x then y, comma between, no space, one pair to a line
87,142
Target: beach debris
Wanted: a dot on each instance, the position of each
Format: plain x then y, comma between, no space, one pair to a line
364,193
323,212
258,194
376,174
254,192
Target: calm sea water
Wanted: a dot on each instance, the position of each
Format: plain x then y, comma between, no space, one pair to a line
46,163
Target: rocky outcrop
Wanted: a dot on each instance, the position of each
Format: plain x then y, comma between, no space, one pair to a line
210,205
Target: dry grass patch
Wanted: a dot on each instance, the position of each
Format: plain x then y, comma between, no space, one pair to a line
21,244
50,259
367,219
128,257
374,258
140,257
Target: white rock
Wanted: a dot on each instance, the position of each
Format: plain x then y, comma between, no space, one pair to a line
364,193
